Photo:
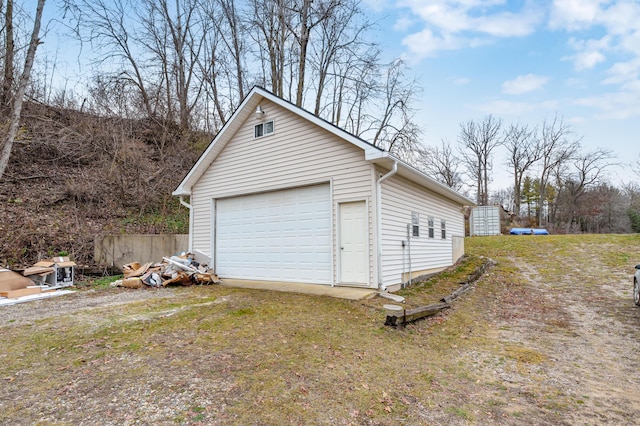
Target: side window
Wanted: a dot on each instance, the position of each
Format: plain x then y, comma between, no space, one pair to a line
263,129
443,229
415,224
431,230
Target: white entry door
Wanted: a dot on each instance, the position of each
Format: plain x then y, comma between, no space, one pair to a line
354,243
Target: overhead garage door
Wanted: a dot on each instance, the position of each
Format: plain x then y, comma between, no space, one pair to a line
276,236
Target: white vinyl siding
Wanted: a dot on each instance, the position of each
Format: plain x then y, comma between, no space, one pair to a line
298,154
400,198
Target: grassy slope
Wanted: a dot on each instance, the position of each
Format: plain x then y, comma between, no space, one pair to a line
248,357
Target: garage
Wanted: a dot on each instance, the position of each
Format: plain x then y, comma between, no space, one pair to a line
275,236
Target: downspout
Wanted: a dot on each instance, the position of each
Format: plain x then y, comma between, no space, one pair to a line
188,206
381,179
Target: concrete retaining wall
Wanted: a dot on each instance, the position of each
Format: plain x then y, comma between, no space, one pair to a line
118,250
458,248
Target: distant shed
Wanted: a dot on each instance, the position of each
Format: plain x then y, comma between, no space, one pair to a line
484,220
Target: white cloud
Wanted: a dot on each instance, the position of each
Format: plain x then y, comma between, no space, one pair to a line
403,23
618,19
615,105
524,84
510,108
576,82
376,5
587,60
576,120
622,17
461,81
622,72
426,43
574,14
456,24
589,52
506,24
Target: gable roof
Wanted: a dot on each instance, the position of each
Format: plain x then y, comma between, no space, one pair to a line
372,153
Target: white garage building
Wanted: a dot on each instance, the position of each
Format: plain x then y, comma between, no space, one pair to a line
282,195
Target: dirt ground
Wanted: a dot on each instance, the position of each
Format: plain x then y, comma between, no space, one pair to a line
548,337
577,314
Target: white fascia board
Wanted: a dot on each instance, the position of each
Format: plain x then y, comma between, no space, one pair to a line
216,145
245,109
342,134
407,171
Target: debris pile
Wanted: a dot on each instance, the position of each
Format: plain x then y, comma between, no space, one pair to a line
13,285
175,270
43,280
56,272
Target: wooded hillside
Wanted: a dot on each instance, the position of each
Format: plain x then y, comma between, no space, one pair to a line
73,176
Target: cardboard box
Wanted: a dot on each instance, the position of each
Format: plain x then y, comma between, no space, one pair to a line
62,275
12,294
10,280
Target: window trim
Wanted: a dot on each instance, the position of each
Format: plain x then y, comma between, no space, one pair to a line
443,229
415,225
262,127
431,221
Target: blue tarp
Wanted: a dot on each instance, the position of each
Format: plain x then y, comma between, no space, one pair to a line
528,231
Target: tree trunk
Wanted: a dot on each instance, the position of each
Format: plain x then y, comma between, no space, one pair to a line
9,47
304,43
16,110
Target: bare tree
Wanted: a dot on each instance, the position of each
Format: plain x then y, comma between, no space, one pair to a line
107,26
478,140
442,163
523,148
173,36
556,150
309,15
9,51
188,63
393,128
588,170
338,41
355,88
18,97
212,65
270,18
233,36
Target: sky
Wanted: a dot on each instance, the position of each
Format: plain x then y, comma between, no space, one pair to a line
523,62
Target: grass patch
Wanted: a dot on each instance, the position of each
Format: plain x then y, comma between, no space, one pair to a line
97,283
279,358
524,355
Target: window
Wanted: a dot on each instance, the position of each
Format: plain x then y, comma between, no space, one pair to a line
443,229
431,230
415,224
263,129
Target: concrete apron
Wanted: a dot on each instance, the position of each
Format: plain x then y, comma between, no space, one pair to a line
351,293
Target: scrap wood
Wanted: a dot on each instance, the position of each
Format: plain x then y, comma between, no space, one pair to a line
152,278
174,270
133,282
205,278
38,270
31,297
12,294
467,284
134,269
181,279
406,316
180,265
10,280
